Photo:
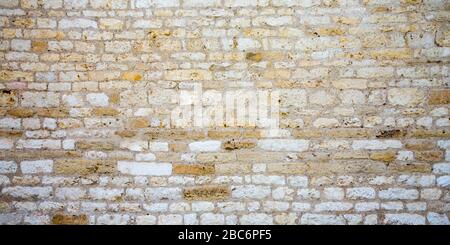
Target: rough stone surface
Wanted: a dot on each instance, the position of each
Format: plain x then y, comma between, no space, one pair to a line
143,112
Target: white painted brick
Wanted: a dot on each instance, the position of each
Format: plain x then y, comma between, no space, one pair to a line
190,219
68,144
275,206
170,219
443,181
366,206
108,4
308,193
431,194
163,193
10,219
9,3
100,193
77,23
371,219
360,193
159,146
416,206
145,220
36,167
10,123
20,45
117,47
273,21
143,24
444,144
392,206
212,219
333,206
6,144
283,193
321,219
405,156
353,219
49,123
144,168
97,99
375,144
4,180
333,193
413,180
7,167
202,206
145,157
113,219
70,193
404,219
211,145
231,220
399,194
441,168
28,192
268,180
75,4
301,206
201,3
284,145
290,3
437,219
40,99
246,3
230,207
39,144
256,219
134,145
156,3
250,191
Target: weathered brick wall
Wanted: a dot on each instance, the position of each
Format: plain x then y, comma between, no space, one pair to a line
88,88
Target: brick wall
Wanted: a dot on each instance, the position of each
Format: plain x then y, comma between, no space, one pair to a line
88,89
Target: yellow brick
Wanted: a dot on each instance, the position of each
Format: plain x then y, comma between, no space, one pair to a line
190,75
206,193
7,98
21,112
193,169
84,166
132,76
391,54
68,219
16,76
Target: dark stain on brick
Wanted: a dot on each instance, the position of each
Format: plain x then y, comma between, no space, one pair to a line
393,133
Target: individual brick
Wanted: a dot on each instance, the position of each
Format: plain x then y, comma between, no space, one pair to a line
36,167
204,146
438,97
405,96
77,23
206,193
193,169
70,219
144,168
283,145
83,167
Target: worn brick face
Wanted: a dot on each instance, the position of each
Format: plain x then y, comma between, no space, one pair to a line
84,166
112,110
206,193
193,169
439,97
67,219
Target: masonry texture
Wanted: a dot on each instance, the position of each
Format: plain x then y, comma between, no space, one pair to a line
87,88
